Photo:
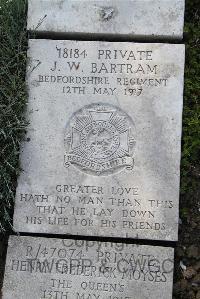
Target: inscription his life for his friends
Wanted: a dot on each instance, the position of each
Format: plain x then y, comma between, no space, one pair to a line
104,140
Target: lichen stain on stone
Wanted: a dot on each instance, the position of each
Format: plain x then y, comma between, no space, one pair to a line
107,13
35,83
173,16
171,70
60,4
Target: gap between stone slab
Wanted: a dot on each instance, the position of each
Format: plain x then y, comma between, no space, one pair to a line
3,251
101,239
100,37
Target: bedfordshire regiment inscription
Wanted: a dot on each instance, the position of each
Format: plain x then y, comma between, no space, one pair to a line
77,269
102,152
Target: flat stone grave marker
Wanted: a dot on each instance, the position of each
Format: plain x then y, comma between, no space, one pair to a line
102,151
42,268
120,18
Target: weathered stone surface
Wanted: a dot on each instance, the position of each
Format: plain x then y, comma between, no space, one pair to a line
39,268
102,152
124,18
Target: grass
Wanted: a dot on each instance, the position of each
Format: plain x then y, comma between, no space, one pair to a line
13,99
191,115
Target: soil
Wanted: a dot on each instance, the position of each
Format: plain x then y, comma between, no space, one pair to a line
187,251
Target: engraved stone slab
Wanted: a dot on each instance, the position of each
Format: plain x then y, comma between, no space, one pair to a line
39,268
108,18
102,151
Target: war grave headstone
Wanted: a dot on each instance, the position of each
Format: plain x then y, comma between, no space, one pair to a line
42,268
102,151
147,19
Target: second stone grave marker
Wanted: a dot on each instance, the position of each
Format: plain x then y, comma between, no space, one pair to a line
43,268
130,19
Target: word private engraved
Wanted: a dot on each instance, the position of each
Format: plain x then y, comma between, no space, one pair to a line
99,140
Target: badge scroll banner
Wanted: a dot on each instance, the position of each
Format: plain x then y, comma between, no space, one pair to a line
99,167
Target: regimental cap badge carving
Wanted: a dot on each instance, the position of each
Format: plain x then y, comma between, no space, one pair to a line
99,140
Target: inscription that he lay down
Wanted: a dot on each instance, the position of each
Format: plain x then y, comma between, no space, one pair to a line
104,140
